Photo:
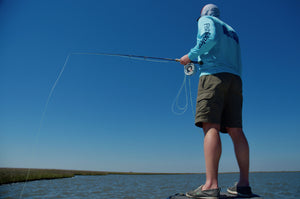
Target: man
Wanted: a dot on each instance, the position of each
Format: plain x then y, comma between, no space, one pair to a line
219,100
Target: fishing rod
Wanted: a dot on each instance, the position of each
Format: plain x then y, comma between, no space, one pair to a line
189,69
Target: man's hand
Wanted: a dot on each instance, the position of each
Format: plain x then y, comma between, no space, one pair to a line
185,60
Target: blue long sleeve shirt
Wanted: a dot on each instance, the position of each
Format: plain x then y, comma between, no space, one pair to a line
217,46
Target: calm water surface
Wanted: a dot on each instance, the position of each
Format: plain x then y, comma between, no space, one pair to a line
268,185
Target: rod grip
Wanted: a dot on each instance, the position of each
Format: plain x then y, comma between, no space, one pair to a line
194,62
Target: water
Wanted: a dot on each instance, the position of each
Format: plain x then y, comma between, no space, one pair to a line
268,185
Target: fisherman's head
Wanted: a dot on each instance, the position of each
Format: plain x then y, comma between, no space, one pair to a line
210,10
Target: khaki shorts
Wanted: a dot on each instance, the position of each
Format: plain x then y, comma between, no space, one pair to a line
220,101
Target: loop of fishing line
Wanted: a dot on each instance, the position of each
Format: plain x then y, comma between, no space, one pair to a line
176,108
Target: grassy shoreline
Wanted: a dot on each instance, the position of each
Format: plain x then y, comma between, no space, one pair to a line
13,175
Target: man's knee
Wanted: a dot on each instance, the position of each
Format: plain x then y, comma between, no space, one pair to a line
207,126
235,132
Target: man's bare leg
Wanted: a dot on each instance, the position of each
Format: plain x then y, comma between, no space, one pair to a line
241,149
212,154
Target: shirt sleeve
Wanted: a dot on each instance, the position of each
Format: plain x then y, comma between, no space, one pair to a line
206,38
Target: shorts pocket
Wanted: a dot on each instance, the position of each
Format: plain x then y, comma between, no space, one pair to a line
205,96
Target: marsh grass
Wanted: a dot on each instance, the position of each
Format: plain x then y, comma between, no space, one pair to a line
11,175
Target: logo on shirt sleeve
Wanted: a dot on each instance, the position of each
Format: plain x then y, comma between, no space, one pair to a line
204,38
207,27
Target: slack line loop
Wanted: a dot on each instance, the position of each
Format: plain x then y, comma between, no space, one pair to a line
176,108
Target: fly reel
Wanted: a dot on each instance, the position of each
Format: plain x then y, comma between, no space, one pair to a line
190,69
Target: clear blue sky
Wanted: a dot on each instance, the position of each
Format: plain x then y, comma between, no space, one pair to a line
109,113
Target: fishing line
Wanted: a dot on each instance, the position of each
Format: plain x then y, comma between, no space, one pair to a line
176,108
189,70
42,119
